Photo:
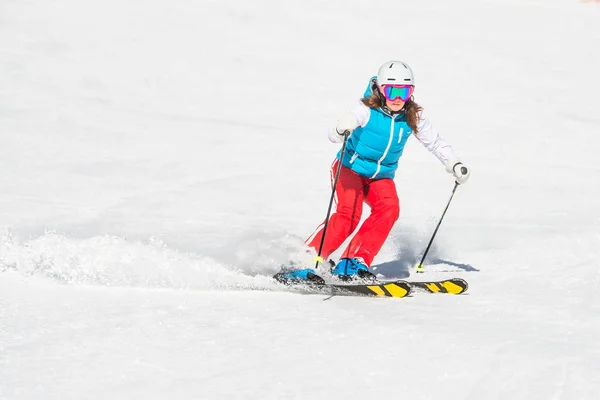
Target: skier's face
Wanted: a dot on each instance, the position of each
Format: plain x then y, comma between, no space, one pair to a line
395,105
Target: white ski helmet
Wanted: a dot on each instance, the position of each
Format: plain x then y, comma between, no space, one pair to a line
395,73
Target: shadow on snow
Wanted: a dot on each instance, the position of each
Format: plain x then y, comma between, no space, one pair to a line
400,269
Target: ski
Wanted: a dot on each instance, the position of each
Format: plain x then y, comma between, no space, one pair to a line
310,282
396,289
449,286
402,288
313,283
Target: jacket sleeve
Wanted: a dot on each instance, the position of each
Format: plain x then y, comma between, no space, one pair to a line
362,114
430,138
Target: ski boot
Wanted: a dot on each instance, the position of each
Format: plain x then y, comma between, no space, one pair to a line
351,269
307,275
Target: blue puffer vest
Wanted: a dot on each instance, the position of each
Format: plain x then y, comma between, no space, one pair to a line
373,151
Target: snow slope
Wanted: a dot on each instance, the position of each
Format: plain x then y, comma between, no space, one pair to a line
160,160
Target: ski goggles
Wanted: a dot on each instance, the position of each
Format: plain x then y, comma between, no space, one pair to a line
393,92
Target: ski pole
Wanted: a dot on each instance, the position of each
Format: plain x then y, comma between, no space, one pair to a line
420,267
318,258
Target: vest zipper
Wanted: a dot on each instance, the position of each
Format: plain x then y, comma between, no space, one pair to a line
386,149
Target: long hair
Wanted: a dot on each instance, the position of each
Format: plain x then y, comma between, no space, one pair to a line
411,109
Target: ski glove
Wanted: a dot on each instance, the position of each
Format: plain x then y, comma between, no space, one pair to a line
344,127
459,170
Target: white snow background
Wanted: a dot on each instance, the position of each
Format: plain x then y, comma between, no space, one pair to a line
160,159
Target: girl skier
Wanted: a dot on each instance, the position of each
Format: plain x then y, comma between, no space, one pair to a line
377,129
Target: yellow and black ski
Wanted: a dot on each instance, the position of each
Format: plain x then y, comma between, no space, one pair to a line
449,286
388,289
375,289
401,288
398,289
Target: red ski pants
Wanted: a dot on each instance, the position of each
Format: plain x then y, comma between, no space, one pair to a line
350,193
